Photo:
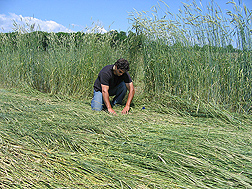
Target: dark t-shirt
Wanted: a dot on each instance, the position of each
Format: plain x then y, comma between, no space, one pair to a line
107,77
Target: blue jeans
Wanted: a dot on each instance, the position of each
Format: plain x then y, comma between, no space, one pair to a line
119,91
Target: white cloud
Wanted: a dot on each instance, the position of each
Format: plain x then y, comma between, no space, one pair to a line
96,29
13,22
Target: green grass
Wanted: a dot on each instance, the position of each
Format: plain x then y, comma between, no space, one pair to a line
50,141
195,130
189,55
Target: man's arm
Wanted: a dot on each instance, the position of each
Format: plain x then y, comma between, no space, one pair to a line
131,89
105,95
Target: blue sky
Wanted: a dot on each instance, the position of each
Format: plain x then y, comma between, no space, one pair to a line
76,15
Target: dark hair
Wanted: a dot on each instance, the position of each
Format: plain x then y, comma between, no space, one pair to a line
122,64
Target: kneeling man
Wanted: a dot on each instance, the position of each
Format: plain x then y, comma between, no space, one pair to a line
113,80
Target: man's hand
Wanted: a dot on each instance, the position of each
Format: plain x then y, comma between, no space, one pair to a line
126,110
130,97
105,95
112,111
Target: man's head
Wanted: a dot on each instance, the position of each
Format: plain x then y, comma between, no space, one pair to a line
122,64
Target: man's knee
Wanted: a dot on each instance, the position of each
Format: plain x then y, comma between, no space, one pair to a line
97,101
97,106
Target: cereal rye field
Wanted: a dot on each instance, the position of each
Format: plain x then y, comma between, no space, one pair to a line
48,141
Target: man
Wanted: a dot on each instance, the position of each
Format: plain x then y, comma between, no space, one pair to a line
113,80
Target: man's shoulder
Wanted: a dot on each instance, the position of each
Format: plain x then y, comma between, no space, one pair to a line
107,70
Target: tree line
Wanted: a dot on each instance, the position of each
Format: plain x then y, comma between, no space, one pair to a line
134,40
